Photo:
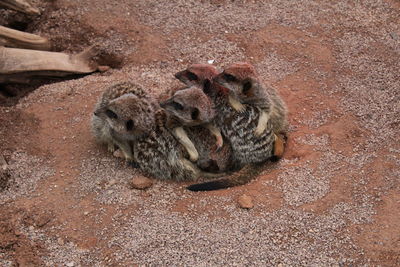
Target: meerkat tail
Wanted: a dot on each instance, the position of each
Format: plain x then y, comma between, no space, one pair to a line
245,175
262,123
182,137
279,147
217,133
235,104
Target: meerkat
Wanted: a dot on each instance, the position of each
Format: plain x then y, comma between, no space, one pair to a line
109,115
238,127
242,80
190,109
234,125
138,123
195,75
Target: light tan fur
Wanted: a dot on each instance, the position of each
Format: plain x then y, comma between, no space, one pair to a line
182,137
262,123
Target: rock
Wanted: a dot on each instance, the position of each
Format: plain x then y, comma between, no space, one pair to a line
245,202
118,154
141,183
60,241
70,264
394,36
103,68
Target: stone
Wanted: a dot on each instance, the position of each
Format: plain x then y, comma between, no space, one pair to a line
141,182
103,68
60,241
245,202
118,154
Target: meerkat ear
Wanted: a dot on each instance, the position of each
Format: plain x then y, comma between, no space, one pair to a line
195,114
207,86
247,86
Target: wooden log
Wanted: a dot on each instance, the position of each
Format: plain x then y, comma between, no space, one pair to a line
18,39
21,6
20,65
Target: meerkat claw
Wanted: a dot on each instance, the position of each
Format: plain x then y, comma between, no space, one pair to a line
111,148
219,143
236,105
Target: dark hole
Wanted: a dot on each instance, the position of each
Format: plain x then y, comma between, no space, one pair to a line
19,25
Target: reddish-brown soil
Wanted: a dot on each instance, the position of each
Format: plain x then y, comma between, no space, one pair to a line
332,200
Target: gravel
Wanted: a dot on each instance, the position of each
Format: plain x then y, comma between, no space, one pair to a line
327,183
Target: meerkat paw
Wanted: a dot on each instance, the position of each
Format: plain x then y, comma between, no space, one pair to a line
111,147
236,105
193,155
259,131
262,123
218,136
219,144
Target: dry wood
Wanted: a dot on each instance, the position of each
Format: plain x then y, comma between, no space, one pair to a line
19,65
18,39
21,6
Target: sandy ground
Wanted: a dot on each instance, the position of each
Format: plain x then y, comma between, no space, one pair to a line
333,200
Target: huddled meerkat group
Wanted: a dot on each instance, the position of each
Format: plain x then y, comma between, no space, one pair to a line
221,124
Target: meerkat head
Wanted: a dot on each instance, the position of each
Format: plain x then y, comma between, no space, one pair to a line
202,75
241,80
196,74
190,106
129,116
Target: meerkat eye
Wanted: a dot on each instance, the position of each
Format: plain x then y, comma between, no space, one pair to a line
246,87
177,106
229,77
129,125
192,76
195,114
111,114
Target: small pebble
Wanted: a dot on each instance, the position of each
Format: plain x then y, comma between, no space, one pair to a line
394,36
71,264
245,202
103,68
141,182
60,241
118,154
